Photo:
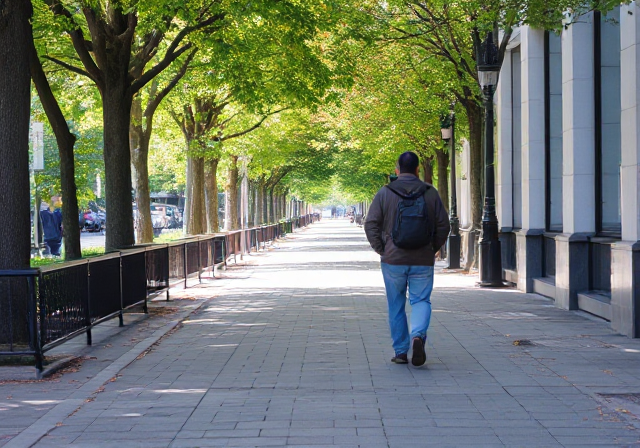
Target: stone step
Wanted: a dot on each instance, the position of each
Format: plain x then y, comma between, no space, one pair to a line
545,286
596,304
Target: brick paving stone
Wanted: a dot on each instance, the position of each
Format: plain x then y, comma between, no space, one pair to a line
293,349
192,443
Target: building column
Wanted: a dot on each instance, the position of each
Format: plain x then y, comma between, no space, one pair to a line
625,255
504,109
578,172
529,240
504,164
464,192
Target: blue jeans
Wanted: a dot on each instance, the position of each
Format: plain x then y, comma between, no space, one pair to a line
419,280
54,246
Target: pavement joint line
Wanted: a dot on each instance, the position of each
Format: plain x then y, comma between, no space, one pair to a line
41,427
293,349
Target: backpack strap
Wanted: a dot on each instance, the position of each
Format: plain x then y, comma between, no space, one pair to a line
415,195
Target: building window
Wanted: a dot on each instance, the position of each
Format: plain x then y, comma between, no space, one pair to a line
553,128
607,100
516,95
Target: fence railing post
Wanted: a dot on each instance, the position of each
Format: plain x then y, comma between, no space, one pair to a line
145,309
33,324
42,310
199,262
168,272
120,315
185,265
224,250
87,321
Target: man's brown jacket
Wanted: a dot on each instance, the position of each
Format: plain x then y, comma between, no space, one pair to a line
382,215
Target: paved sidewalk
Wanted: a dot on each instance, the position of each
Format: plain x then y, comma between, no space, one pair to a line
294,350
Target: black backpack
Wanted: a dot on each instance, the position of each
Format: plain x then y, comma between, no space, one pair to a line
412,229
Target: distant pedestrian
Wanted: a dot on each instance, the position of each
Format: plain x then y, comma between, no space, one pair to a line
51,219
406,225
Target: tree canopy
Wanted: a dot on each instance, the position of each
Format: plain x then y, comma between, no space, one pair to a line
312,100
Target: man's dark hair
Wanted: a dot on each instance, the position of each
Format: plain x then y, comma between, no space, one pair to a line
408,162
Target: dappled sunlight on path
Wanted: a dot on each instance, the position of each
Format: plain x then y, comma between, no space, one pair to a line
294,350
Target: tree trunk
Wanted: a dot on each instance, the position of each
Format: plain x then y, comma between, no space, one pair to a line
253,204
211,184
427,170
276,207
232,194
281,205
276,211
262,197
186,216
265,205
259,202
195,196
269,205
475,116
66,141
139,144
442,159
250,204
203,198
15,86
116,104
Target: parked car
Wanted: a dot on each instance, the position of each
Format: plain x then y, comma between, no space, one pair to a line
91,221
159,217
174,215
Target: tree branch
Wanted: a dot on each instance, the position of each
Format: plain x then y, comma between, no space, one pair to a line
157,99
158,68
252,128
173,52
69,67
79,42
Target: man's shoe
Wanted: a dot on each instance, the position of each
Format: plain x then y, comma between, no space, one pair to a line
400,359
419,356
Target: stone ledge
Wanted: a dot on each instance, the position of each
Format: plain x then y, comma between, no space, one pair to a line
510,275
596,304
545,286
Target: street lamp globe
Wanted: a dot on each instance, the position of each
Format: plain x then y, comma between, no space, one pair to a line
445,127
446,133
488,63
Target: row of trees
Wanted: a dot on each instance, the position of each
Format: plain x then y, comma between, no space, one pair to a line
313,99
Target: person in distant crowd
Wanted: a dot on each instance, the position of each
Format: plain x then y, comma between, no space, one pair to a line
406,225
51,219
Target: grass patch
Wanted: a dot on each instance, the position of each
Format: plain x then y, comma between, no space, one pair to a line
37,262
92,252
168,236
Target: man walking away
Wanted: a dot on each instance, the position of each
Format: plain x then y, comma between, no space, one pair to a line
51,220
406,225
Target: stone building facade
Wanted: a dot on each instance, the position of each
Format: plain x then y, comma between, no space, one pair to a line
567,165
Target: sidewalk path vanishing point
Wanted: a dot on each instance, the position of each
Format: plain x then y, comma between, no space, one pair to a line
294,350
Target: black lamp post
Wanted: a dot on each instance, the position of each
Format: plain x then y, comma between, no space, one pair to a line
490,264
453,242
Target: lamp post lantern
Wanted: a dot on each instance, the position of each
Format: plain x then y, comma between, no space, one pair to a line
490,260
453,242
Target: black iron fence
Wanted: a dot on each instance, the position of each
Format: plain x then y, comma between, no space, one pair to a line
67,300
